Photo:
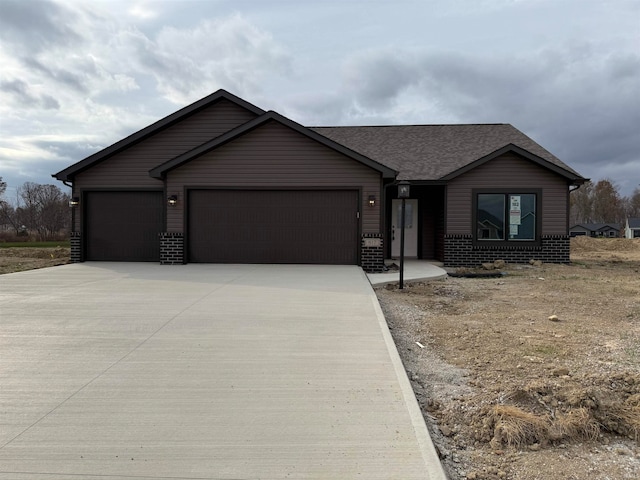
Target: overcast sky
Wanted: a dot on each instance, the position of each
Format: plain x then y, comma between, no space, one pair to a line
77,76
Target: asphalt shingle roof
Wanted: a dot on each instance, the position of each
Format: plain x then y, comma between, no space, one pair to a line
430,152
634,222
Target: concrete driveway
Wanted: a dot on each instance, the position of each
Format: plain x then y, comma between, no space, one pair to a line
129,371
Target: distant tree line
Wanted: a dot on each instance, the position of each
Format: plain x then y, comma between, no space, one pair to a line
37,211
601,202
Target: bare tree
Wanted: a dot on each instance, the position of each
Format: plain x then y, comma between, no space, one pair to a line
582,204
632,204
608,206
43,209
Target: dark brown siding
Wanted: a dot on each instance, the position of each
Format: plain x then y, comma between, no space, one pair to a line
508,171
130,168
273,226
123,226
271,157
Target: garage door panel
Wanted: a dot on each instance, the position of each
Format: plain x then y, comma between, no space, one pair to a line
123,226
232,226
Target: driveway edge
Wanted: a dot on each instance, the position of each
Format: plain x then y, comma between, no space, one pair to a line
432,462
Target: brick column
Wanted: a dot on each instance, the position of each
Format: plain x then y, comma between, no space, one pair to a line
171,248
372,253
557,248
75,240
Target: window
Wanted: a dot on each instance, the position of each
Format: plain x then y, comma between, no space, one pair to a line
506,217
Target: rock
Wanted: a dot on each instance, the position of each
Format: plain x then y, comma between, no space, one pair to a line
488,266
446,431
535,263
472,476
560,372
498,264
554,318
534,447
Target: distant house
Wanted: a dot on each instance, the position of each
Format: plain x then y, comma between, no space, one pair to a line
632,228
610,230
223,181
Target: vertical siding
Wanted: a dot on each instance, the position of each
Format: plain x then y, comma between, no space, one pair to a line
274,156
513,172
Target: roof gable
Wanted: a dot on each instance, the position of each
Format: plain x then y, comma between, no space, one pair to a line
161,170
437,152
68,173
511,148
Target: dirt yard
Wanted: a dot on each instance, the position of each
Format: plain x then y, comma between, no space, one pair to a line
14,259
531,375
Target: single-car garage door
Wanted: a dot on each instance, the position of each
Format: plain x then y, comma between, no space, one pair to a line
123,226
273,226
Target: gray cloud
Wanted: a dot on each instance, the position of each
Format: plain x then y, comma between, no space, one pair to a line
226,53
36,25
22,95
580,102
63,76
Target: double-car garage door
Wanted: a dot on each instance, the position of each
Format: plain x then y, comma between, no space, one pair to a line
273,226
228,226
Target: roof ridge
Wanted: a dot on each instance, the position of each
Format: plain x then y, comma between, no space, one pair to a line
411,125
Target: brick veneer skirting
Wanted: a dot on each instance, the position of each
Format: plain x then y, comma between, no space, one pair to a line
459,251
372,253
75,241
171,248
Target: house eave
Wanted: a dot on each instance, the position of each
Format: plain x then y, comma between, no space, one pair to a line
68,173
511,148
161,170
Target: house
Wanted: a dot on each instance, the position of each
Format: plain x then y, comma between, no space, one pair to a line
632,228
223,181
610,230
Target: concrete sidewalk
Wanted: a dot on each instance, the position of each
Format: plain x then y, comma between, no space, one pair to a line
133,371
413,270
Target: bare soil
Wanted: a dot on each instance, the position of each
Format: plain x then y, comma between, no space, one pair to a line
19,259
531,375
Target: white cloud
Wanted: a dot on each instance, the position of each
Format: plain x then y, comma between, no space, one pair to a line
142,11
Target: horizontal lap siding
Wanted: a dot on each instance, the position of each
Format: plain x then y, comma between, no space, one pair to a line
276,157
512,172
130,168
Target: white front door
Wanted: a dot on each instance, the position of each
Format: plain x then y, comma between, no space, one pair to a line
410,227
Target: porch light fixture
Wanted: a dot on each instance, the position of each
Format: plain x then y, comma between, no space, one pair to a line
372,200
74,202
404,189
172,200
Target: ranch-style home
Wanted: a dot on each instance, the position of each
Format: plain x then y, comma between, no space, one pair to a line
223,181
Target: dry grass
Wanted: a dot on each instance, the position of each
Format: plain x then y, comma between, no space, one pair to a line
514,427
576,424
